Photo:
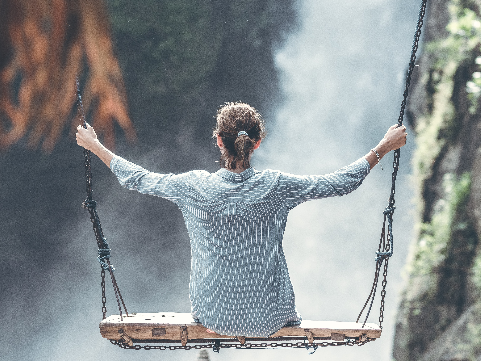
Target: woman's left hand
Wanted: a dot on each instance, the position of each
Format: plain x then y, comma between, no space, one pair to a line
395,137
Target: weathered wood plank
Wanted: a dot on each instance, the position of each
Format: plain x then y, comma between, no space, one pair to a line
177,327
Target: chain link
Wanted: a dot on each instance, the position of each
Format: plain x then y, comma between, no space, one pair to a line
217,345
104,299
383,293
386,243
90,205
385,249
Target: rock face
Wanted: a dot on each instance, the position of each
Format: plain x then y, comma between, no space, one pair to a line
439,317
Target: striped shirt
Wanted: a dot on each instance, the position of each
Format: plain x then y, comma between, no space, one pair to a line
239,281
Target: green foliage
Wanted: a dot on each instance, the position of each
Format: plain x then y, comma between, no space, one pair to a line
435,236
476,272
429,140
184,42
439,260
181,59
461,46
468,339
443,263
474,334
463,41
464,35
178,38
465,30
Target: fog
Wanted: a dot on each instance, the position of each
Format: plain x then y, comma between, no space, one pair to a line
342,77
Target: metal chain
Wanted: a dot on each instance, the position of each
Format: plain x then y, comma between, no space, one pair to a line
371,296
384,252
90,205
104,298
386,243
217,345
383,294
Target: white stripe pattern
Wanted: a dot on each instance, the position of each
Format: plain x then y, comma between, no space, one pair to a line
239,281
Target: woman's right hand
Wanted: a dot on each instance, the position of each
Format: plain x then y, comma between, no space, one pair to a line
86,137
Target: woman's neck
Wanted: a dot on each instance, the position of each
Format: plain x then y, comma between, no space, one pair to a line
239,166
237,170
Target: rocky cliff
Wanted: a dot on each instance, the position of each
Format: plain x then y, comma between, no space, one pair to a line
439,317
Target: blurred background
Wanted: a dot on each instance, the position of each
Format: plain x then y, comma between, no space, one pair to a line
327,76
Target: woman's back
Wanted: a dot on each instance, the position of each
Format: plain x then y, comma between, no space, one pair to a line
236,218
240,283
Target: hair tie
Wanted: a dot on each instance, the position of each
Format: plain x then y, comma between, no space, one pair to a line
242,132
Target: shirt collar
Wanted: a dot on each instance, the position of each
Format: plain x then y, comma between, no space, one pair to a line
236,177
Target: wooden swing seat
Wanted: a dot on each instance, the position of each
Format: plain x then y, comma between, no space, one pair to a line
172,327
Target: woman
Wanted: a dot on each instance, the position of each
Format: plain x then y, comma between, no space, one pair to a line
239,282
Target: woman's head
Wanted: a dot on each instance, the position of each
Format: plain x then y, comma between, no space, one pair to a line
240,128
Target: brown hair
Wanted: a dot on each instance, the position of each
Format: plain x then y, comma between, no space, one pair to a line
233,118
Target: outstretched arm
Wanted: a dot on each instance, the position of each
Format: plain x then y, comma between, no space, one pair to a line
87,138
394,138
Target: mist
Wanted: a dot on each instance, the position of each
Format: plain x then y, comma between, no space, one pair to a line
341,74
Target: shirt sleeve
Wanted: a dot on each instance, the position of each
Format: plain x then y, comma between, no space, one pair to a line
298,189
134,177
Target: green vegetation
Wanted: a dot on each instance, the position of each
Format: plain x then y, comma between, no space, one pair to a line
476,276
449,54
465,40
435,236
430,129
437,129
440,265
182,59
464,35
474,334
444,268
177,41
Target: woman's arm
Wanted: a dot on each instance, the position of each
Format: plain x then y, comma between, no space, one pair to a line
132,176
394,138
87,138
